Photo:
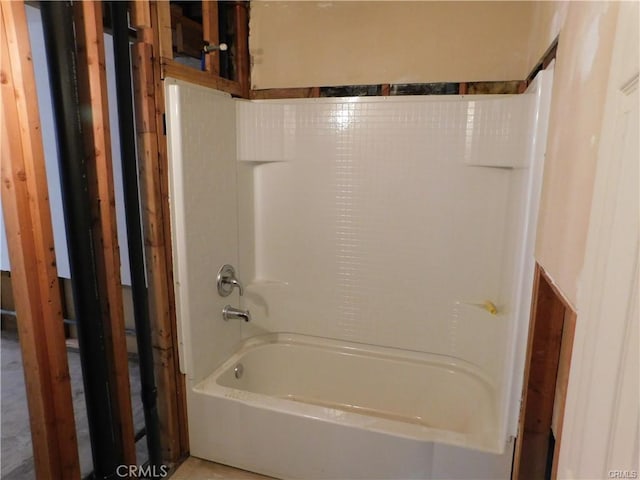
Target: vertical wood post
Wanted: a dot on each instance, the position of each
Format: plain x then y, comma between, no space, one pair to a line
211,34
92,82
242,48
31,249
153,164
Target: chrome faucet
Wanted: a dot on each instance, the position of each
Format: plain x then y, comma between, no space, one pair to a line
229,312
227,281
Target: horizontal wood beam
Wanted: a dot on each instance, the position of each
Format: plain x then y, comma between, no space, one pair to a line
275,93
171,68
451,88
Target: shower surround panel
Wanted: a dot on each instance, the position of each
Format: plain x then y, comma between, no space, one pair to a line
384,221
369,233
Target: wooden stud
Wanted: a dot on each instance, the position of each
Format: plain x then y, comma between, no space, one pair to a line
149,98
545,351
163,28
93,93
385,89
544,61
562,384
140,15
551,328
522,86
177,403
30,241
462,90
211,35
242,48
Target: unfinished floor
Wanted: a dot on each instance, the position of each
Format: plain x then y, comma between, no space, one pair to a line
196,469
16,452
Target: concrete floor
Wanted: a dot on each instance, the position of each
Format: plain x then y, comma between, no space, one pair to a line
15,451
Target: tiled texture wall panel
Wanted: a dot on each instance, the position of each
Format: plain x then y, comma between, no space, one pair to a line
384,221
204,220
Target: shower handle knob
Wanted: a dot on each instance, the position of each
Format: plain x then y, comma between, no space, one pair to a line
227,281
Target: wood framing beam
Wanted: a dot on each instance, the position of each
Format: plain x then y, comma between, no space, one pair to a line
276,93
140,15
242,48
385,89
149,100
161,26
174,69
548,357
31,249
562,383
92,81
211,35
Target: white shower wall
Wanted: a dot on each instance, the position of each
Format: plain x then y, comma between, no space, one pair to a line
385,221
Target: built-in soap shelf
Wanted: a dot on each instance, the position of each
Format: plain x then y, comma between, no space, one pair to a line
257,162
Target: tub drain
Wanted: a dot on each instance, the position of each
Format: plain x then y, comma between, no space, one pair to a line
238,370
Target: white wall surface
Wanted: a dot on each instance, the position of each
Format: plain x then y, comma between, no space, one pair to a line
601,433
384,221
204,221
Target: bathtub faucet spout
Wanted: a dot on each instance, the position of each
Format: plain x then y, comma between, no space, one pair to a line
230,312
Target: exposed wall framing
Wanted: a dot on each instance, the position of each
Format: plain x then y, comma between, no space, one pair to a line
30,240
546,375
97,140
36,287
152,158
543,63
462,88
153,60
179,34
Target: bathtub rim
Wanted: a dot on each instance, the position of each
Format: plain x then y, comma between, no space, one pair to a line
485,441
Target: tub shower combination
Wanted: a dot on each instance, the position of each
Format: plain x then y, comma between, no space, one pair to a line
353,278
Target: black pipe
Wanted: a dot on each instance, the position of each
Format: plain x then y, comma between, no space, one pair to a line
120,27
106,446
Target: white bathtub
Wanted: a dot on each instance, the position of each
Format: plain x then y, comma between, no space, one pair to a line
307,407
